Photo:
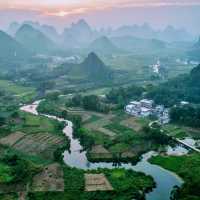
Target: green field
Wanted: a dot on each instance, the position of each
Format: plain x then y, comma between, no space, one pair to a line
5,173
21,92
187,167
132,183
37,124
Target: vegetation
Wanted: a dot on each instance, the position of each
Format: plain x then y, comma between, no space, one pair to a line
189,115
182,88
14,169
89,102
134,184
36,124
123,95
186,167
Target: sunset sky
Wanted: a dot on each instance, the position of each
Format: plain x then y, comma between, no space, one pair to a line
159,13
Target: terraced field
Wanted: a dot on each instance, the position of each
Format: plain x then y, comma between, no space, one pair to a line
33,144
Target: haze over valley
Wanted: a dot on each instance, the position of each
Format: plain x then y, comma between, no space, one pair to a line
99,100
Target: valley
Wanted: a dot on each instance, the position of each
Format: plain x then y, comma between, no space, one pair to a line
75,117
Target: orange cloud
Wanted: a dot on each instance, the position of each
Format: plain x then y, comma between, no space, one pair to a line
72,7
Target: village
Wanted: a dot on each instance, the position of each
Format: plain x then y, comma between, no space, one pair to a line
146,108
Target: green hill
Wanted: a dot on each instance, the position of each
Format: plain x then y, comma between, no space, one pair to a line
34,40
182,88
91,69
11,49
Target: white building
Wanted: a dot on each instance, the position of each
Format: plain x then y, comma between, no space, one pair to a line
147,103
183,103
145,112
145,108
164,118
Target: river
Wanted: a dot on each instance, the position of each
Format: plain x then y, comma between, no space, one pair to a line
165,180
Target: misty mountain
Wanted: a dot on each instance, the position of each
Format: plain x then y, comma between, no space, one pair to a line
103,45
34,40
11,49
144,31
134,44
78,35
47,30
169,34
13,27
91,69
194,53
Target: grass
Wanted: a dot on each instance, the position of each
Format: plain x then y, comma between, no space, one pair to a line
98,91
22,92
119,129
119,147
172,163
5,173
92,119
129,182
37,124
8,196
187,167
175,131
99,137
132,183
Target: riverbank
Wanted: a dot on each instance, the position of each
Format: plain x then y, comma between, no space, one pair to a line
165,181
188,168
136,183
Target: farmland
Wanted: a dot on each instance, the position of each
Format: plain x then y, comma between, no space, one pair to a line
106,136
36,124
21,92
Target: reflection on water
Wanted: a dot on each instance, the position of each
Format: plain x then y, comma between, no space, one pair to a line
164,179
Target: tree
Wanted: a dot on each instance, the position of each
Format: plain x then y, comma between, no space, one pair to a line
53,96
91,102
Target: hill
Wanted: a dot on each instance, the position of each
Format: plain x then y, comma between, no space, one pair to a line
103,45
194,53
135,44
10,49
145,31
77,35
92,69
182,88
34,40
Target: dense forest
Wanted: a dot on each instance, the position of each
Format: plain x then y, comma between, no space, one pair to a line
183,88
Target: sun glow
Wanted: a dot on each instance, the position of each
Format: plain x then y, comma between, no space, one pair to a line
61,13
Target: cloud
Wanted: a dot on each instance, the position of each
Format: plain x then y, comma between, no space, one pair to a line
53,7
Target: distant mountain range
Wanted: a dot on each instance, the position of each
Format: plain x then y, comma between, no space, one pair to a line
133,44
34,40
49,31
169,34
81,35
10,49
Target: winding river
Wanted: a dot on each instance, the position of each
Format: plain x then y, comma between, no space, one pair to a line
165,180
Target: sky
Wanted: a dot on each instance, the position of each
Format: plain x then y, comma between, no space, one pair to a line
104,13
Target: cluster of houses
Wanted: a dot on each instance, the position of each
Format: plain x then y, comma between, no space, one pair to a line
145,108
156,67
